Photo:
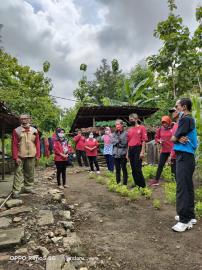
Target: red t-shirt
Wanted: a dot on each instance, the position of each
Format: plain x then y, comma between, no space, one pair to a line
80,142
91,143
173,154
164,135
137,135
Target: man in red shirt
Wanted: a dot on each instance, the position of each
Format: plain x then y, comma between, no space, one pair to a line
163,138
25,151
80,151
91,146
137,137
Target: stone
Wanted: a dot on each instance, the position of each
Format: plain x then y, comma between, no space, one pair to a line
67,224
63,201
56,239
42,251
55,262
21,251
83,268
51,234
71,241
11,237
65,214
5,222
45,217
60,232
57,197
68,266
4,258
15,211
54,191
13,203
61,250
17,219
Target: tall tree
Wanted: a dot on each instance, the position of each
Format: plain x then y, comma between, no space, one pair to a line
178,59
28,91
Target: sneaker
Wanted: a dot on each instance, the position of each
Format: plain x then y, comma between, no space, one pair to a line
60,187
16,195
98,172
28,191
193,220
66,186
153,183
91,172
182,227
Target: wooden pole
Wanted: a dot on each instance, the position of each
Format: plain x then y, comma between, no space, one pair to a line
3,150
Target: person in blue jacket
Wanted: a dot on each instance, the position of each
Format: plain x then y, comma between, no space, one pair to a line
185,144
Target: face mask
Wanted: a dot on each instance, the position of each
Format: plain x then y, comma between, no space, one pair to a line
180,114
61,135
133,122
119,127
91,136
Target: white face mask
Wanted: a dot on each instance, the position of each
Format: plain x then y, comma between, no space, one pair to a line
91,136
61,135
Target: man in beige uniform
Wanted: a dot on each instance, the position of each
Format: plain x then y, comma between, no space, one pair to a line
25,151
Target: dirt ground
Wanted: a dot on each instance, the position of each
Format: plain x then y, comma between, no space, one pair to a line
122,234
131,235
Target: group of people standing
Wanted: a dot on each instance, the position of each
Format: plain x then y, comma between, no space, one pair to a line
178,142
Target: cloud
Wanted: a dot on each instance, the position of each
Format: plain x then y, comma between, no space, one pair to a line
68,33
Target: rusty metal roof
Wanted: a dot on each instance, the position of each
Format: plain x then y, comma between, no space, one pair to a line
86,115
7,119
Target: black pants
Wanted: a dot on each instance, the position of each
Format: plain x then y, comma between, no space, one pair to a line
92,161
162,161
136,165
120,163
173,167
81,155
185,165
61,170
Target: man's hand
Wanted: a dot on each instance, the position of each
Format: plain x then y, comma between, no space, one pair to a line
18,161
183,140
142,154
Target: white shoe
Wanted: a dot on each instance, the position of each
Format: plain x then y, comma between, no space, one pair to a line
193,220
182,227
91,172
60,187
98,172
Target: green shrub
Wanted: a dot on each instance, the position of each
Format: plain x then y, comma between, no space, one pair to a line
156,204
100,180
170,192
149,171
45,162
122,189
198,194
198,209
146,192
111,185
134,194
166,174
92,176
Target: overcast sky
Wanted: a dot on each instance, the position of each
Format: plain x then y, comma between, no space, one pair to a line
70,32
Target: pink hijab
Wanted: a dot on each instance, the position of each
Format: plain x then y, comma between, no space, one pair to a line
107,136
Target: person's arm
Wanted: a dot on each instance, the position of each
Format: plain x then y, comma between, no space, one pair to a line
144,140
57,150
114,139
158,136
37,144
15,146
185,125
77,138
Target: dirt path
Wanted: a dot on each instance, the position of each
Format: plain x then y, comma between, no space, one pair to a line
130,235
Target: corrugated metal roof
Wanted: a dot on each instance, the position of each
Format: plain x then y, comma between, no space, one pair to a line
86,115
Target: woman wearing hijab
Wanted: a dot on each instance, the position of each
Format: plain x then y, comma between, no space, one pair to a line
108,149
163,138
61,156
91,146
120,145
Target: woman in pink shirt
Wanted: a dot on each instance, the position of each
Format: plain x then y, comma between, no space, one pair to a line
91,146
163,138
60,157
137,137
80,151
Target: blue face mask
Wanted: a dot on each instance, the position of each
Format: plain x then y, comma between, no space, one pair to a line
180,114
